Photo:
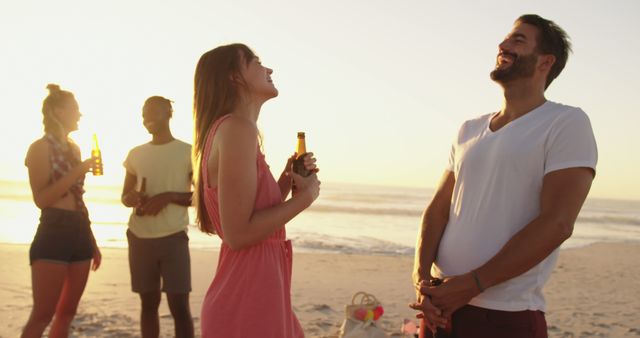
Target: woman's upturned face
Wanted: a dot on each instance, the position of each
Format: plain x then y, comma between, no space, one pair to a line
68,114
258,79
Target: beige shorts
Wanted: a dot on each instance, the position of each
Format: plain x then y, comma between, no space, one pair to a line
160,263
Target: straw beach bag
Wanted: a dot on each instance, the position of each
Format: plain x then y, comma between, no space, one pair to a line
361,316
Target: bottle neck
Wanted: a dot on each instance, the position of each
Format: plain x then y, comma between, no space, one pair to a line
301,148
95,150
143,186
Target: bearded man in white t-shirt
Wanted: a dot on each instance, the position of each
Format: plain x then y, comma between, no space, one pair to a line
514,186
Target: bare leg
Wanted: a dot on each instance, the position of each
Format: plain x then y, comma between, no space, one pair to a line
149,318
47,279
74,284
179,307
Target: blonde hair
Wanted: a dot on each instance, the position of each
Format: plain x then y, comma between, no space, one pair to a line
56,99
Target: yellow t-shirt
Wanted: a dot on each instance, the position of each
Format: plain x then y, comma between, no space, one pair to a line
167,167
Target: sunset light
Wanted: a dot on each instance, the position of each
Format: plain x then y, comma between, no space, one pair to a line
380,90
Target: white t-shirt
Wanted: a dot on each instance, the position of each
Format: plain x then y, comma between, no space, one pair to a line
167,167
499,178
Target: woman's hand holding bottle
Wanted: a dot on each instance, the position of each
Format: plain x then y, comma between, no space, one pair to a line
308,186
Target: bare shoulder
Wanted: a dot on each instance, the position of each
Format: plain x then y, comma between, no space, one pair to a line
237,130
39,145
37,150
238,124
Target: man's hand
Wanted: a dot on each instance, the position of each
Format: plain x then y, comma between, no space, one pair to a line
454,293
156,203
132,199
432,315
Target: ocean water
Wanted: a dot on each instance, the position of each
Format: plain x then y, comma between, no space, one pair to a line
345,219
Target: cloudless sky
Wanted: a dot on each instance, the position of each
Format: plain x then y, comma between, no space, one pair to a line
380,87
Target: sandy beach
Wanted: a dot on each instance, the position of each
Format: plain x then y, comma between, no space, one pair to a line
594,292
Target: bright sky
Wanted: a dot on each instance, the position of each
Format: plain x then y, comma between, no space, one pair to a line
380,87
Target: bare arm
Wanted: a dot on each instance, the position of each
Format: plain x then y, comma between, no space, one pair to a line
182,198
562,196
130,197
237,188
46,193
153,205
133,199
563,193
185,198
434,221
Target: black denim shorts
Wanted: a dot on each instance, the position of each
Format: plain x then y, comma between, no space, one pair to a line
63,236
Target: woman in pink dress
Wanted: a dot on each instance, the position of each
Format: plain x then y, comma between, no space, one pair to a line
238,199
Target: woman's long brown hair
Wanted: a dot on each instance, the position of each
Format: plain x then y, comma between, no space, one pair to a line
215,95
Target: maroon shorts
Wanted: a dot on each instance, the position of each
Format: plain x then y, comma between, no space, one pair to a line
474,322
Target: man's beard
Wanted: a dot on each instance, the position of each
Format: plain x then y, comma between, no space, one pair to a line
522,67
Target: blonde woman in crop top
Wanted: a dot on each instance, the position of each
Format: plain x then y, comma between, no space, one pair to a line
64,247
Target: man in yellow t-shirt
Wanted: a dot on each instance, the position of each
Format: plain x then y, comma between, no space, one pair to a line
158,188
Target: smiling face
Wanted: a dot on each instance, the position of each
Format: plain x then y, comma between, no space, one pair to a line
258,79
156,114
517,56
68,114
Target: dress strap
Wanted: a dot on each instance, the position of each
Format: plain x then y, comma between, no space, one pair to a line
207,147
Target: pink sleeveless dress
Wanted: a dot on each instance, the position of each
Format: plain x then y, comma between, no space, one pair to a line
250,295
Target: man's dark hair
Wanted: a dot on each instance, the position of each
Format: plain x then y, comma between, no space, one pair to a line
551,40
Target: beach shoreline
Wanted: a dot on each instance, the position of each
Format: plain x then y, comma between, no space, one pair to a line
594,291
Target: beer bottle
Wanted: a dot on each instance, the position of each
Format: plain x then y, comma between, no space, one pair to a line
143,196
298,163
97,158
